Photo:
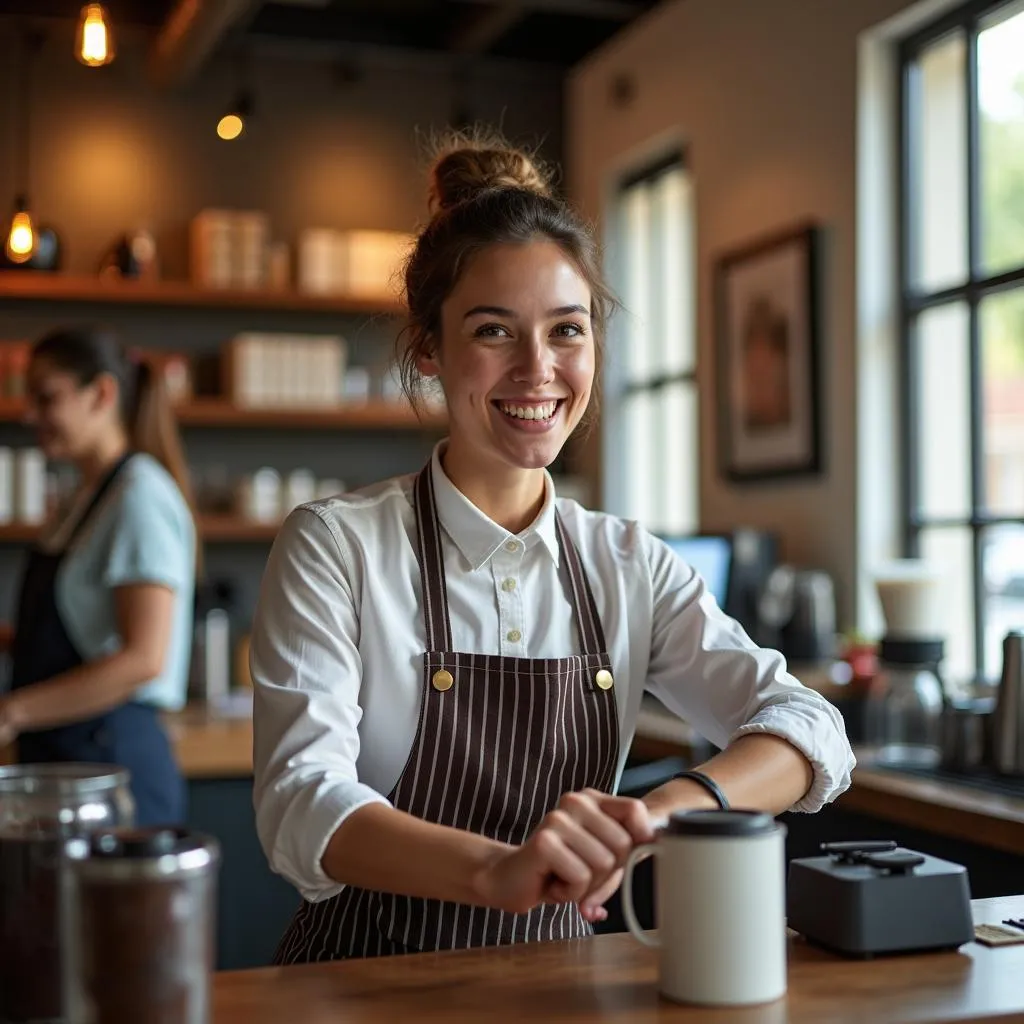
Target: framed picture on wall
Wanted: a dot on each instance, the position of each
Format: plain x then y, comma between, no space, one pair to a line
767,340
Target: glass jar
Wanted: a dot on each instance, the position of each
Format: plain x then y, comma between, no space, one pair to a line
41,807
904,706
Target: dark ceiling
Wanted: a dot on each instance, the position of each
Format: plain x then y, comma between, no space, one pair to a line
557,32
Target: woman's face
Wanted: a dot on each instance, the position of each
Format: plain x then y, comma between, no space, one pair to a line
68,416
516,356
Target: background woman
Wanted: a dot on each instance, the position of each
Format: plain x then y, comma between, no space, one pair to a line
104,622
448,666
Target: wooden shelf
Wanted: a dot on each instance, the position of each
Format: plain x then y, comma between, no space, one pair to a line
17,533
39,286
212,529
374,415
236,530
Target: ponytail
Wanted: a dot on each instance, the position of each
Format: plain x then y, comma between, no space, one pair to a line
152,427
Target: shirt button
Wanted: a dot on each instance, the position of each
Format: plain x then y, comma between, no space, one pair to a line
508,585
514,636
512,545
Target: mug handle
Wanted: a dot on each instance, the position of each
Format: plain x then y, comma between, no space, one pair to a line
637,855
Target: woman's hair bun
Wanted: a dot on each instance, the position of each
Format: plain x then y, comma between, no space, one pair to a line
468,166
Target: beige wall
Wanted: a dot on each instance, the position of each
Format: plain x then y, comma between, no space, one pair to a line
111,153
763,94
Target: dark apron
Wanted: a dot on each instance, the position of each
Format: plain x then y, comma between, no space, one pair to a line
130,735
499,741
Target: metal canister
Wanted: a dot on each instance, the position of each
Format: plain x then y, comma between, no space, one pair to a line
1008,724
140,917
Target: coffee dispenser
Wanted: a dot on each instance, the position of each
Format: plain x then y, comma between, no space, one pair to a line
907,696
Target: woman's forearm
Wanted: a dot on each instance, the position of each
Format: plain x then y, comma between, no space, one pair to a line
82,692
381,848
758,770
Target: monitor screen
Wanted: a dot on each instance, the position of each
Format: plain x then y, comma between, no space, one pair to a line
711,556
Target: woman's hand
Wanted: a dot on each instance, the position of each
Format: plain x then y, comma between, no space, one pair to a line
575,855
8,722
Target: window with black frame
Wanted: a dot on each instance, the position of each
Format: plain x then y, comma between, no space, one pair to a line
651,419
962,284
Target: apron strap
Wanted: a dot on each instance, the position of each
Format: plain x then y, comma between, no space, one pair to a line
588,622
435,593
96,498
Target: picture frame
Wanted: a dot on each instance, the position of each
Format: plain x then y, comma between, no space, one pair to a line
767,312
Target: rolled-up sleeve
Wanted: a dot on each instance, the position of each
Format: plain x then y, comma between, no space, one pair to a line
306,674
706,669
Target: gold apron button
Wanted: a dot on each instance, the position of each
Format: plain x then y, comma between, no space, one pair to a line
443,679
604,679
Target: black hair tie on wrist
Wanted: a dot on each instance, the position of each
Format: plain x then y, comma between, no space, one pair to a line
709,784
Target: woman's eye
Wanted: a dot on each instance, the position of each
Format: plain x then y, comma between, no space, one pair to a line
570,329
491,331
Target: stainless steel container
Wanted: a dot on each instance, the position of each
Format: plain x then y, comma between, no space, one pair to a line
140,927
41,808
1008,724
966,734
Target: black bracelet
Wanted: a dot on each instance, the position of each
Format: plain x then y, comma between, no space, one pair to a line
709,784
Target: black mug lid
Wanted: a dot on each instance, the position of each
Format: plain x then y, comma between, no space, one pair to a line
142,842
720,823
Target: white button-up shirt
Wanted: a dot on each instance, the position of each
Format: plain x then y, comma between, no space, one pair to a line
338,642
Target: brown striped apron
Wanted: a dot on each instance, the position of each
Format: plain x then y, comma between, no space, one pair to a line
499,741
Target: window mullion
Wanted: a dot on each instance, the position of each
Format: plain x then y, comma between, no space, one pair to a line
909,122
976,382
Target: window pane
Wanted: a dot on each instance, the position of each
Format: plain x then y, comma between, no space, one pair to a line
643,453
637,358
673,220
1003,568
939,147
1002,339
678,510
1001,102
944,423
952,551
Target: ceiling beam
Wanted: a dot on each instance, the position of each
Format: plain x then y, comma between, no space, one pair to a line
189,35
485,27
602,10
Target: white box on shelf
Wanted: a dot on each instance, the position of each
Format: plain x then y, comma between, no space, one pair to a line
6,485
30,486
373,262
319,271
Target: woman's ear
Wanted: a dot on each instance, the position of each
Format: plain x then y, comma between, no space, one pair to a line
107,391
428,364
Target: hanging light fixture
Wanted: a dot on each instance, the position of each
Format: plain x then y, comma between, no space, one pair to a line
94,42
232,124
21,235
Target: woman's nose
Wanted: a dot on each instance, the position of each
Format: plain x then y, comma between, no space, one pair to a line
535,363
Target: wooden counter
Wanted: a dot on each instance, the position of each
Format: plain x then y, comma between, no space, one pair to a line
208,745
613,978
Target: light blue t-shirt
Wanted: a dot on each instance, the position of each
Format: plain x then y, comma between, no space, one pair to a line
141,532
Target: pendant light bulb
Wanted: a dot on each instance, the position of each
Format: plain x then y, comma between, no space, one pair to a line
232,124
21,238
94,43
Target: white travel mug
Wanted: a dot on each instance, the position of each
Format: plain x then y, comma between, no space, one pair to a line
720,907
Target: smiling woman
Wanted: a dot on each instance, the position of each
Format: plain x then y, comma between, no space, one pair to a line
448,666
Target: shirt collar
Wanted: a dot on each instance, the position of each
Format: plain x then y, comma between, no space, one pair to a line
476,535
